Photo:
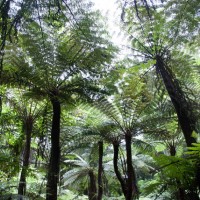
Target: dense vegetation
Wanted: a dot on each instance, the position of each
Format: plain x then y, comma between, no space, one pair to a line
80,121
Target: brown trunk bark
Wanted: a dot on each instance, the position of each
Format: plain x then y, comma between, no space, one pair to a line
28,127
181,192
182,107
100,171
132,189
92,190
53,171
172,150
116,169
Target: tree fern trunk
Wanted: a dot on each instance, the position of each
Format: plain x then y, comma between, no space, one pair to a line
132,189
28,126
183,110
53,171
116,169
182,107
92,190
100,171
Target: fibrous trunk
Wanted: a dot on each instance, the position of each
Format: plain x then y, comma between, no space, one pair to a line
53,170
28,126
182,107
132,189
128,181
92,190
116,169
100,171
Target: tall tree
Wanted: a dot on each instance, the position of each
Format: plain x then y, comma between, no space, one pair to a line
124,111
157,38
62,68
160,39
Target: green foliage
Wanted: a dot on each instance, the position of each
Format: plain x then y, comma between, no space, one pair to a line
194,150
60,50
67,194
171,173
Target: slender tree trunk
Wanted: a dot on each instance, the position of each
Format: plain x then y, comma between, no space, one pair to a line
182,107
172,150
28,127
116,169
92,190
4,15
181,192
53,171
100,171
132,189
